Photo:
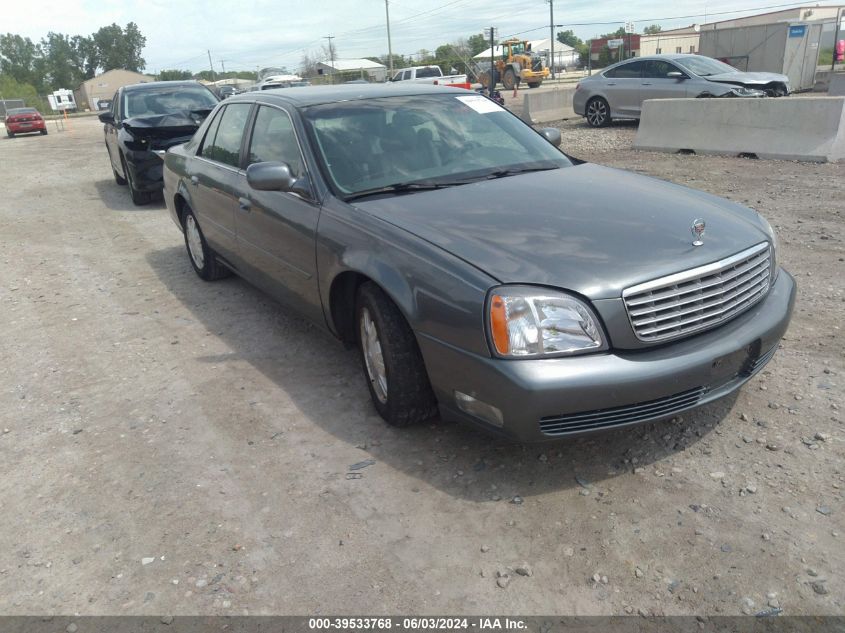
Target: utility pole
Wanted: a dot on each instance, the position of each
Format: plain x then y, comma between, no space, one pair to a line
331,53
552,34
223,64
492,83
389,45
210,65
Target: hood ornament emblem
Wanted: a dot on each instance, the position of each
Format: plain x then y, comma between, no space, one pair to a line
697,229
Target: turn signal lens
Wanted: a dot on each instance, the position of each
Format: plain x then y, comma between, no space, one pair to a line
499,324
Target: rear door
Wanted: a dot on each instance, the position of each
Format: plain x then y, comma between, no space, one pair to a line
277,230
656,84
214,176
622,84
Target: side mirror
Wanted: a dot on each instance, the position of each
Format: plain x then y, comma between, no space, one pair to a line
271,176
675,74
552,135
106,117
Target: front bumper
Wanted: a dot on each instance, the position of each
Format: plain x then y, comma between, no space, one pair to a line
557,397
147,170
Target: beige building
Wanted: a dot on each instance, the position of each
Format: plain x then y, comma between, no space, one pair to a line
796,14
684,40
104,86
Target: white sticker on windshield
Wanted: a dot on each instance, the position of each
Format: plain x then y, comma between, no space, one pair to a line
480,104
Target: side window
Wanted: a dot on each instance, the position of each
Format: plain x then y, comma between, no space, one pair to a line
659,69
227,139
210,133
406,75
273,140
115,103
625,71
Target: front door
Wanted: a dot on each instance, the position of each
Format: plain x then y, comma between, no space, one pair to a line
656,83
276,229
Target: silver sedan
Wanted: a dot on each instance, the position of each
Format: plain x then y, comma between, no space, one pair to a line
618,91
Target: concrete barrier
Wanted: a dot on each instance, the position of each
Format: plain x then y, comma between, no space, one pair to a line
787,128
549,105
836,85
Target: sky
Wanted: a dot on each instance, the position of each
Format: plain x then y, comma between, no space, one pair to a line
245,34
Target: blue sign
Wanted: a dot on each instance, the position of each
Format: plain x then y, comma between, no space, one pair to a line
797,31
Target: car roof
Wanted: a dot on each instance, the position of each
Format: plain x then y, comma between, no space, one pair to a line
314,95
161,84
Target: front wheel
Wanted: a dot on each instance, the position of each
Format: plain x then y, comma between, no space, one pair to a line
139,198
598,112
203,258
509,79
392,362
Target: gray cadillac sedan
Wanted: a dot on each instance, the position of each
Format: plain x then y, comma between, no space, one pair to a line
481,272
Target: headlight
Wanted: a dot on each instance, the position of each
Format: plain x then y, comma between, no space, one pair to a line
528,322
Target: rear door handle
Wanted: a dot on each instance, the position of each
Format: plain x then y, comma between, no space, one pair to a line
195,181
646,83
611,83
244,204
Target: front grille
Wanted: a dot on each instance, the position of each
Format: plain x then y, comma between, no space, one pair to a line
700,298
604,418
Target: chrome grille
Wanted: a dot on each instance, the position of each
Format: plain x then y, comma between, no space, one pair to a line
700,298
619,416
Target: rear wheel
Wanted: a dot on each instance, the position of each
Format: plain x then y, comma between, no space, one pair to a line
534,84
138,197
598,112
10,134
43,132
393,365
203,258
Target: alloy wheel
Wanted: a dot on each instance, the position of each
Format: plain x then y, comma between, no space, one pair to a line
194,241
597,113
373,356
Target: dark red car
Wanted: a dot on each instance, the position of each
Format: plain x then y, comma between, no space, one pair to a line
24,121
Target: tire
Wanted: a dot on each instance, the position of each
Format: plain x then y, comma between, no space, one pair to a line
597,112
139,198
202,257
43,132
10,134
391,360
534,84
509,79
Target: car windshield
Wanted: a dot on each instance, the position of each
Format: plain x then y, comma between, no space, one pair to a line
166,100
705,66
425,141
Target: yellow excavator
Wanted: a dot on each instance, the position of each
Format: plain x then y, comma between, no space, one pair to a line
517,61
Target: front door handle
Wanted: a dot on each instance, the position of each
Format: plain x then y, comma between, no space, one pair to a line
244,204
646,83
195,181
611,83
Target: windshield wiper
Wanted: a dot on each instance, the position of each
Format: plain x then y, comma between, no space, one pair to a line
503,173
400,187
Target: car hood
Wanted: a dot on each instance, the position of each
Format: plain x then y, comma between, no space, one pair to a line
589,229
170,125
747,79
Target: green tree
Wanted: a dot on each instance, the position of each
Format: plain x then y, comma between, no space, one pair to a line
62,66
569,38
22,60
477,43
654,29
175,75
10,88
86,55
120,48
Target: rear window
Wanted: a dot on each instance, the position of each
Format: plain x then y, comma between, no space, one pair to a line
428,72
21,111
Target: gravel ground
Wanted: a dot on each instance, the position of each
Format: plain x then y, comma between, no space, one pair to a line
171,446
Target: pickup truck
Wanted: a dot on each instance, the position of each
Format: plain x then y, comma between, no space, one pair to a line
428,75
